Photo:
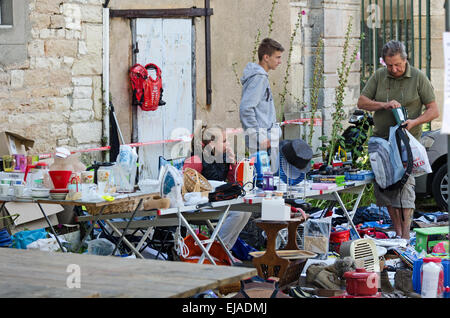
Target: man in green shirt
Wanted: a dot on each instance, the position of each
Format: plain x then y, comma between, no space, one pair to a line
398,84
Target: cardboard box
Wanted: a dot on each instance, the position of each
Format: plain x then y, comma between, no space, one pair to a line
30,216
12,143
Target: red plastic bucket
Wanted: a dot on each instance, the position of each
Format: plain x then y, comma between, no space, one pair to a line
60,178
339,237
336,238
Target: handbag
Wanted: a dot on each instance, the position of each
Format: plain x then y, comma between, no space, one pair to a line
228,191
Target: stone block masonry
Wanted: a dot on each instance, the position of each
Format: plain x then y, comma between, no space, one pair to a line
55,95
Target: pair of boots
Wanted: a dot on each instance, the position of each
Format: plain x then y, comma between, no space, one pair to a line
329,276
402,283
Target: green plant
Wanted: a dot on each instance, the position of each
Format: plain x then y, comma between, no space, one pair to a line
238,80
339,113
358,146
349,199
255,46
316,85
258,35
288,65
272,10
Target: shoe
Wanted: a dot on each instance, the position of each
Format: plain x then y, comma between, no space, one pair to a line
403,281
327,280
298,292
385,284
312,271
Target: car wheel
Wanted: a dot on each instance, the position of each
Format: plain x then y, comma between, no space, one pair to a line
439,187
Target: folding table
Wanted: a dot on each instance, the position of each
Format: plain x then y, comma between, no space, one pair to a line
172,217
95,203
355,187
211,211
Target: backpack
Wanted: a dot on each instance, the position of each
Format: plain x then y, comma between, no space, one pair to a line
226,191
147,92
387,157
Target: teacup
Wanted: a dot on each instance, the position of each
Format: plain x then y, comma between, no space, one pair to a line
4,189
18,190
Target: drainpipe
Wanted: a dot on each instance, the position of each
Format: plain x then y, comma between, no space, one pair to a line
106,100
447,29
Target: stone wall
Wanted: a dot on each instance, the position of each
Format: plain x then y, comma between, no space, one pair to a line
54,96
327,19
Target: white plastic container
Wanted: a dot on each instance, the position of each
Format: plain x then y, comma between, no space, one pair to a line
274,209
432,276
149,185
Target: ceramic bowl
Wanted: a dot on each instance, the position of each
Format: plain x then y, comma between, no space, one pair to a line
58,196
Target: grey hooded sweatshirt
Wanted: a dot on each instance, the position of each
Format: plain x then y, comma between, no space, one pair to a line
257,109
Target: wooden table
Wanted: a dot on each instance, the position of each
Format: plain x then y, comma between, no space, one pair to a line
36,274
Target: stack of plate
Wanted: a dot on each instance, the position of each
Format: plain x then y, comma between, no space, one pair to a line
58,194
40,192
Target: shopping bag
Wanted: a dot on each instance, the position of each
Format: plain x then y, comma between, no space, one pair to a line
216,251
421,164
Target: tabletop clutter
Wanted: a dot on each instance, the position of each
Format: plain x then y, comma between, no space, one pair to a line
321,259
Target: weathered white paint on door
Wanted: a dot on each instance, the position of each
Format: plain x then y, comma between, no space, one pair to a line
166,43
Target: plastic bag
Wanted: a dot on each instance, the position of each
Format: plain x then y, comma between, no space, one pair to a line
194,198
125,169
171,184
317,236
24,238
242,250
100,246
47,244
217,252
421,164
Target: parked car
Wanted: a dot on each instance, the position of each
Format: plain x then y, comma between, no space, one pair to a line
435,184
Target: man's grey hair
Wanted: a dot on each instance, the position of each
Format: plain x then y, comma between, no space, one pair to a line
393,48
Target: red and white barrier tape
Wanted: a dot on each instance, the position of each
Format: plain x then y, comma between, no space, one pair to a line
317,122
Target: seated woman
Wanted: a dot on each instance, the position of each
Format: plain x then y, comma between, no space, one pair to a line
218,163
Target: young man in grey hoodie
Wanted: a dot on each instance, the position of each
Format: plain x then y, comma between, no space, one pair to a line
257,109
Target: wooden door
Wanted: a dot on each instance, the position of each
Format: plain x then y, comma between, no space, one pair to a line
168,44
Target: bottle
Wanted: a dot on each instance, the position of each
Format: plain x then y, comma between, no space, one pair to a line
432,278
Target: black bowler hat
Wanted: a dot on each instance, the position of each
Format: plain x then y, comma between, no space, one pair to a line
297,153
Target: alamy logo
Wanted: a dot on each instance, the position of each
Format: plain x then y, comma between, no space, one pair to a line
374,20
74,279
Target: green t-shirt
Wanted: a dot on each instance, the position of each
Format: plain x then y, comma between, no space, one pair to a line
412,91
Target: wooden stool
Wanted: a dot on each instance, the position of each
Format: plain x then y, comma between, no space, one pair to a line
286,264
